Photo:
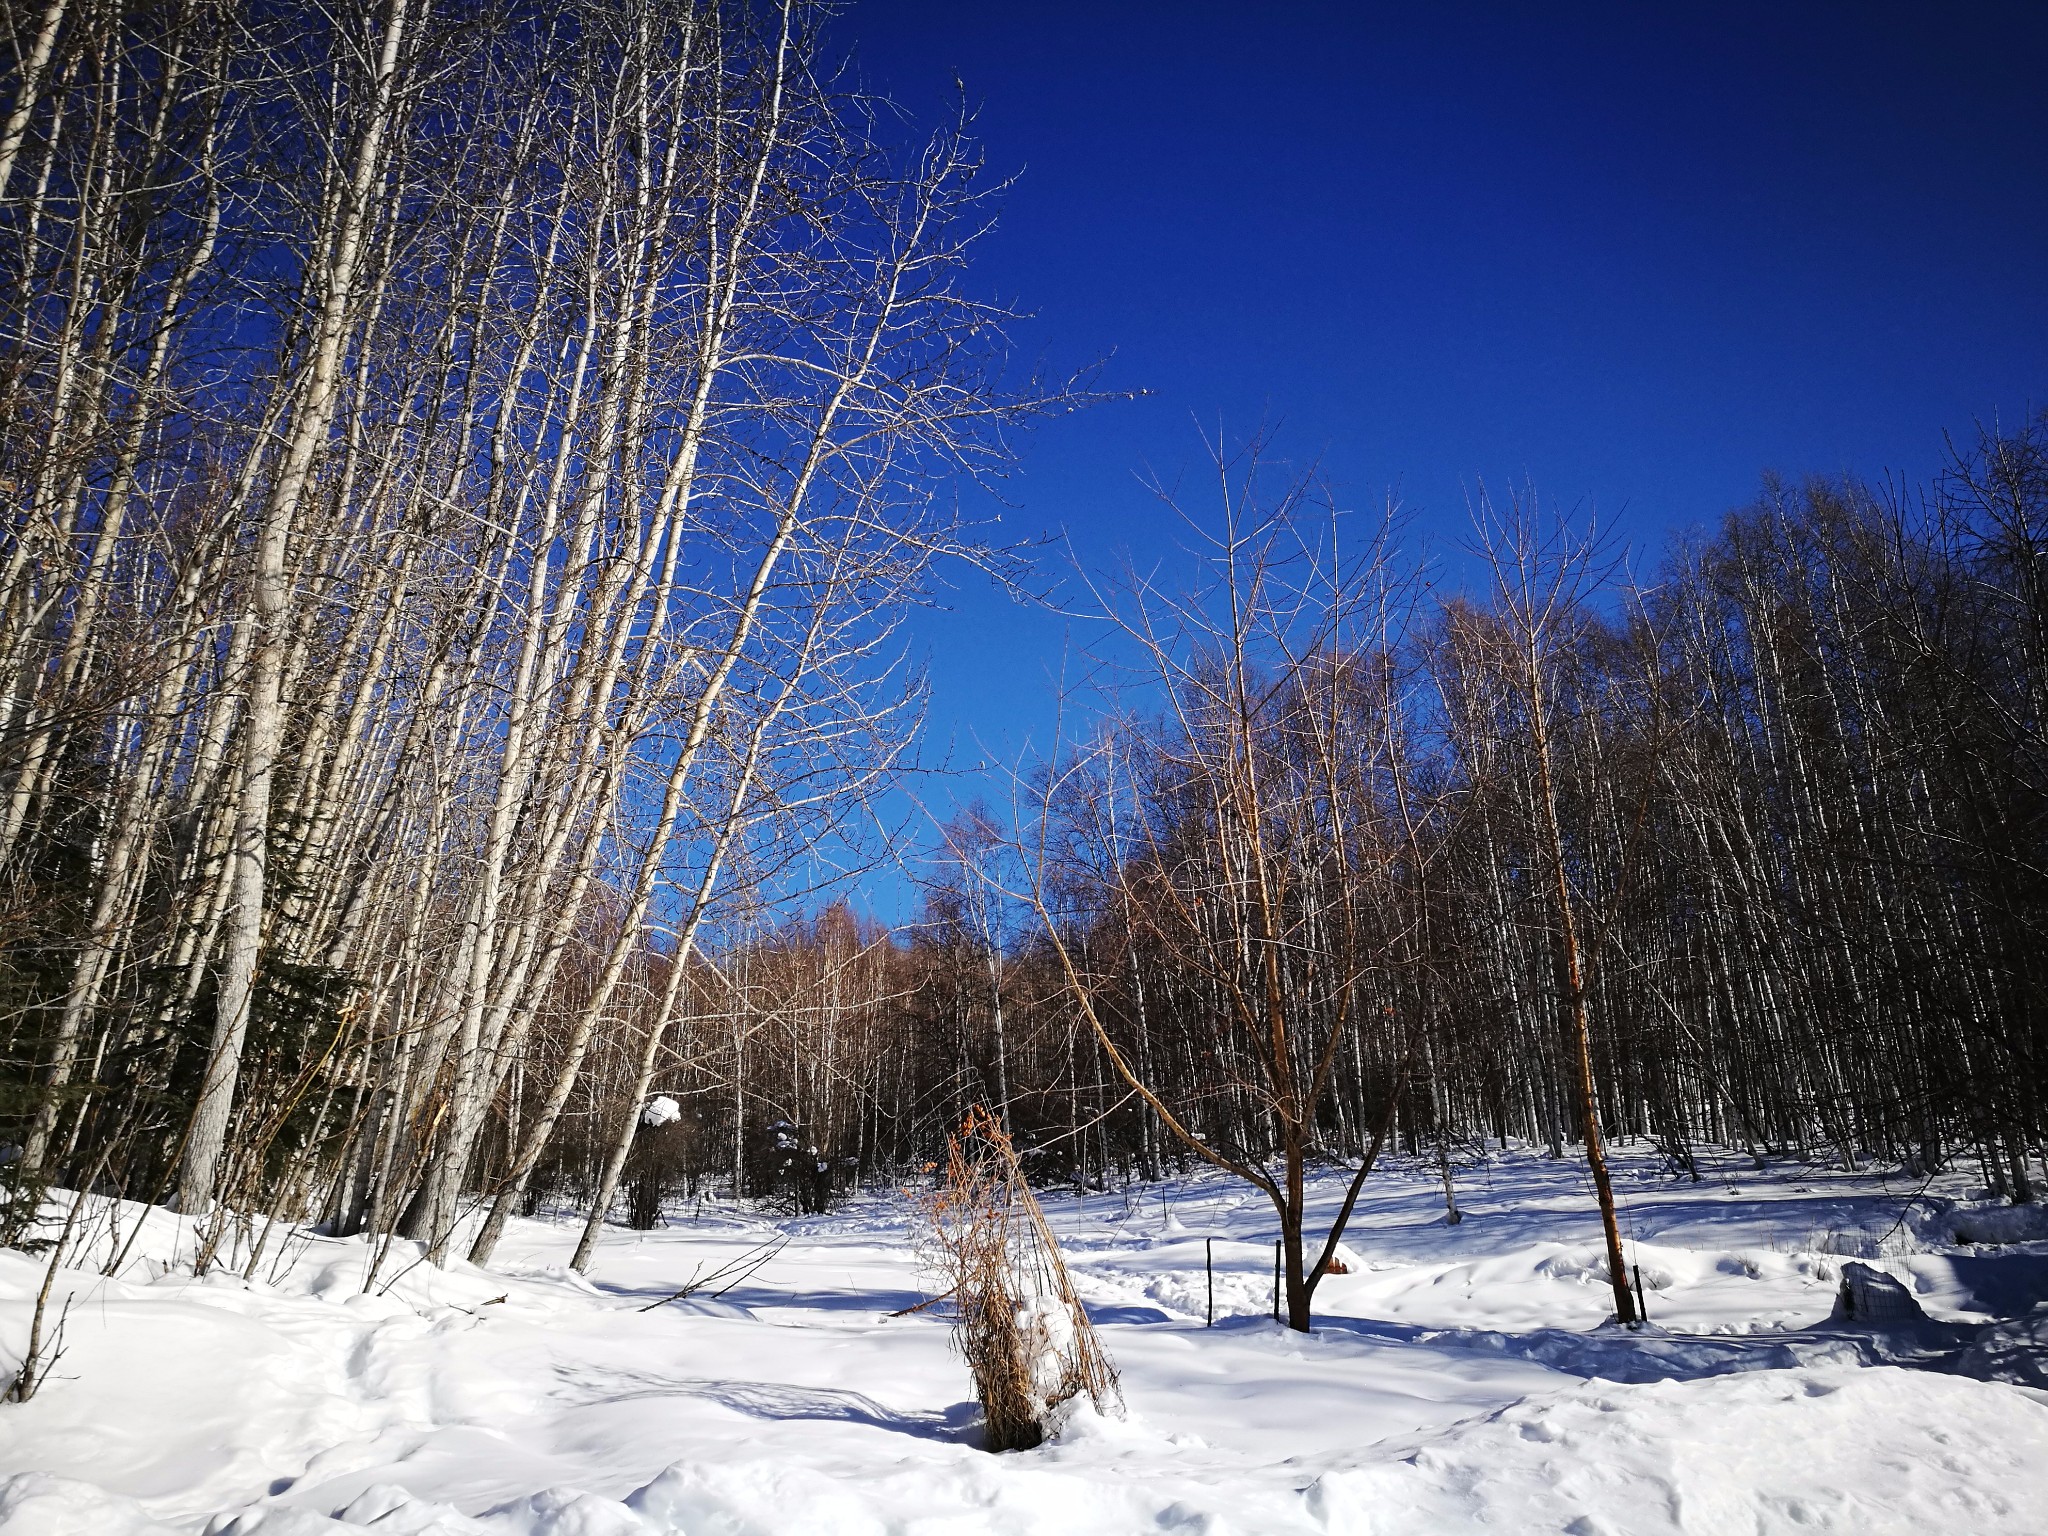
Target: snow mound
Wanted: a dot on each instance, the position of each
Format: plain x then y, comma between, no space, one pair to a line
2015,1351
43,1504
1999,1224
1871,1451
1944,1223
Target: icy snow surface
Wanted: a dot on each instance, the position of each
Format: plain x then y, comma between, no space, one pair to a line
1460,1378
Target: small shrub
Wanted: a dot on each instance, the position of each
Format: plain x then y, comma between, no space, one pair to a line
1016,1320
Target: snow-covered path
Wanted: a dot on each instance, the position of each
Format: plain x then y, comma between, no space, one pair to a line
1458,1381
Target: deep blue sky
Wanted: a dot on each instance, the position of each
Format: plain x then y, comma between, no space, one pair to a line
1631,257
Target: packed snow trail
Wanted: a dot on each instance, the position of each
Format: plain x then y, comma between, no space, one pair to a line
1459,1380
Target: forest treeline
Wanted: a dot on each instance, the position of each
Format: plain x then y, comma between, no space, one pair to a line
466,468
1748,847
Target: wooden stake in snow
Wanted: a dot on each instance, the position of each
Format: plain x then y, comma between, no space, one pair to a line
1022,1330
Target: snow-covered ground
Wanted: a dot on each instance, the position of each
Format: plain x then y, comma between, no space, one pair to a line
1460,1379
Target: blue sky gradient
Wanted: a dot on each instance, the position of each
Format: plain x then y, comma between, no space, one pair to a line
1630,256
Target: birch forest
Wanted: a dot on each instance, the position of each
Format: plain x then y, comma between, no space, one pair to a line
469,473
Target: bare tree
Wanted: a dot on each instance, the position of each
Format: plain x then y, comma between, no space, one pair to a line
1262,846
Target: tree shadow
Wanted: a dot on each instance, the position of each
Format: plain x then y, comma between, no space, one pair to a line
772,1297
780,1402
1129,1313
2000,1284
1653,1354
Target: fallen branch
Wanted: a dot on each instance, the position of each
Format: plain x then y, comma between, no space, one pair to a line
929,1301
740,1270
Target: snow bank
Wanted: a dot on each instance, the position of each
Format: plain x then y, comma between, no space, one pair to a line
1867,1451
41,1504
1460,1378
2015,1351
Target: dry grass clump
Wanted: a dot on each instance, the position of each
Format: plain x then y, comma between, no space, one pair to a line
1017,1322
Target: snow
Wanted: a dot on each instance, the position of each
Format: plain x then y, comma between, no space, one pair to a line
1047,1330
659,1111
1461,1379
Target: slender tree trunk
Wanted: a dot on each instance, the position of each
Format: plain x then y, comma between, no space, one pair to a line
269,608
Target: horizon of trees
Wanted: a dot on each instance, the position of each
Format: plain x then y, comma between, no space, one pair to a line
1747,854
464,481
1793,797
